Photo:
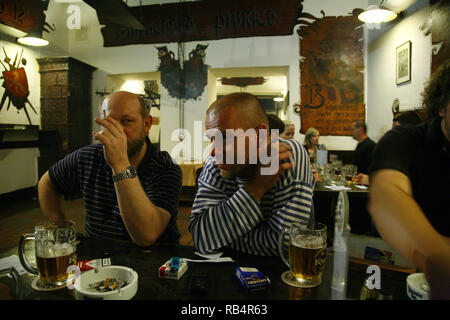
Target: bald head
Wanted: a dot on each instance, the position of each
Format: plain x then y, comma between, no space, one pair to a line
245,105
124,97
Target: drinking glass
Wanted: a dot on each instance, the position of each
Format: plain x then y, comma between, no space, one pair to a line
307,254
55,251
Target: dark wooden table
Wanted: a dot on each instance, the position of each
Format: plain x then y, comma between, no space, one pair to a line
222,282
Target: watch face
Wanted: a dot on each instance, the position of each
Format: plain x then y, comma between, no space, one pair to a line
131,172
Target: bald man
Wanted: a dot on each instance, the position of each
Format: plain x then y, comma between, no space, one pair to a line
239,204
129,188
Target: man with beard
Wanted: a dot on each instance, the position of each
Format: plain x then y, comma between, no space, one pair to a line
130,189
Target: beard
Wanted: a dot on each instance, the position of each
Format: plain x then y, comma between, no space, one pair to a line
133,147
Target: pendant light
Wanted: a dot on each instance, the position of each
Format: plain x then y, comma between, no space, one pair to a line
33,39
377,14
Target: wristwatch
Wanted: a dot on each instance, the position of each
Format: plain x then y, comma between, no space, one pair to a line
130,172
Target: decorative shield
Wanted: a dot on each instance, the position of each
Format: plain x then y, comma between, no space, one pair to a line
16,83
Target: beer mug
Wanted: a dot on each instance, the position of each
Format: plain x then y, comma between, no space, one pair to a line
307,254
11,273
55,250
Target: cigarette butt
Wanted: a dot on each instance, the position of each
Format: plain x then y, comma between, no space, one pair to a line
106,282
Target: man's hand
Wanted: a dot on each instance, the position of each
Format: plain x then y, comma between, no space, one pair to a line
362,178
262,181
114,142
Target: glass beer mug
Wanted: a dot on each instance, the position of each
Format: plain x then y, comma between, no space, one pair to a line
307,254
55,249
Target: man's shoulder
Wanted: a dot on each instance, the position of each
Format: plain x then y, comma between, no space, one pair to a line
90,153
406,133
162,159
296,146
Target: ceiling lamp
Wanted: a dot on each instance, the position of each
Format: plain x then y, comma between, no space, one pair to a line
377,14
278,99
33,39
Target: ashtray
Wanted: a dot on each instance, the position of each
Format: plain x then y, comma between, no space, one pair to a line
107,283
417,287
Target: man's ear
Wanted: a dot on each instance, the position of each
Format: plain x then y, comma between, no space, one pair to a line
261,127
148,124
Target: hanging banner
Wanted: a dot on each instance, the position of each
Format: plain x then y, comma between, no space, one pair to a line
205,20
24,15
332,79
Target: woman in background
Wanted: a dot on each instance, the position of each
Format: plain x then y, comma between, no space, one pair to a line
312,136
289,129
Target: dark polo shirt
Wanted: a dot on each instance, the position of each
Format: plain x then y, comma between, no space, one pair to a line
422,153
86,172
363,155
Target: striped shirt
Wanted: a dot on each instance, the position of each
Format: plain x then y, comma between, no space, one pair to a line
225,214
86,172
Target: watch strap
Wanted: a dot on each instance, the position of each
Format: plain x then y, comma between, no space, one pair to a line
129,173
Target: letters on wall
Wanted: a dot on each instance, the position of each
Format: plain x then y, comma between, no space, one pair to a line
331,74
204,20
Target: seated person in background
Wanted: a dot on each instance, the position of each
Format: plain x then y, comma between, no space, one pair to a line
409,207
242,206
311,144
275,123
406,117
130,190
364,148
289,130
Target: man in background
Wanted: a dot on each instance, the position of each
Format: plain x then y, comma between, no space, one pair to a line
364,149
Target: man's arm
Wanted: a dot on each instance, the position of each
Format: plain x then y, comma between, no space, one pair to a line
50,201
144,221
400,220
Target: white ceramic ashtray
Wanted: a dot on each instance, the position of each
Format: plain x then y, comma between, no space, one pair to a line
107,283
417,287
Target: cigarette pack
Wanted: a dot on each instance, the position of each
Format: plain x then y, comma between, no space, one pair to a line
252,279
86,265
173,268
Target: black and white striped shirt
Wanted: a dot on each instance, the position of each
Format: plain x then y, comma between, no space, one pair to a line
85,171
225,214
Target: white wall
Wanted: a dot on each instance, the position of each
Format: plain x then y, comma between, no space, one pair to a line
18,167
381,76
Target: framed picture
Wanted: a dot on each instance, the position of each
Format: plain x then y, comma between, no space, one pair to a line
403,62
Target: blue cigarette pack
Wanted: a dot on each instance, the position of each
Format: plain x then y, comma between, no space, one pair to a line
252,279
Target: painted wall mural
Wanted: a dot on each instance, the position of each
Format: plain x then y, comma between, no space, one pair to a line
332,78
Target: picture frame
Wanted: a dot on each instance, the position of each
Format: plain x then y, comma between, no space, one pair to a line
403,62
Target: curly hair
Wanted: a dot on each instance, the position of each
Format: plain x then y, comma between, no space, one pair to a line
436,93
